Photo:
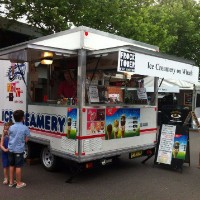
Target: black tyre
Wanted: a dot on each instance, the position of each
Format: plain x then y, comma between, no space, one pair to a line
28,151
49,161
32,150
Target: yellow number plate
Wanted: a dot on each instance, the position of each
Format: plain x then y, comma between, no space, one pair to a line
135,154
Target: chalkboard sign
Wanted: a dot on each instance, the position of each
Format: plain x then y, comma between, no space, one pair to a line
173,146
187,99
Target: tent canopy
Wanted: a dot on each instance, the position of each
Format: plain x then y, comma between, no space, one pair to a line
169,85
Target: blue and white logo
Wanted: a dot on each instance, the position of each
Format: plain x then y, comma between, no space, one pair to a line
16,71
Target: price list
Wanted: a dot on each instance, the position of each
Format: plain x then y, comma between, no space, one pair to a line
166,144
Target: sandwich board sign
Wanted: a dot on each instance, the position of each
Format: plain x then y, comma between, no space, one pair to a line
173,146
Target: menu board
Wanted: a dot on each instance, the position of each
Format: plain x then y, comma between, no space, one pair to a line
93,94
142,94
166,144
173,146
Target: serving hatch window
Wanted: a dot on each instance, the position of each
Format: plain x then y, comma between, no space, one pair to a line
53,83
105,85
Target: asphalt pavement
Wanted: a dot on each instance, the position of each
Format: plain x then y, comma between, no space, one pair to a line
124,180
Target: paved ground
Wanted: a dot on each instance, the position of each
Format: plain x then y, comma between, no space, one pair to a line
126,180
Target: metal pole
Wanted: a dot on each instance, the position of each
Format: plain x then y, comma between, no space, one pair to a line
81,91
156,97
194,98
156,91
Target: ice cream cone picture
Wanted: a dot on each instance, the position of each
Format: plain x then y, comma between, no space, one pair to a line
102,126
98,127
116,128
109,131
176,149
92,128
123,122
69,123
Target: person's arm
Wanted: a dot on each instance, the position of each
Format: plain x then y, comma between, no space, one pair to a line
1,145
60,90
27,134
26,139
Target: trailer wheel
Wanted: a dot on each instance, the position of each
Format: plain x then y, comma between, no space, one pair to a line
49,161
26,152
32,150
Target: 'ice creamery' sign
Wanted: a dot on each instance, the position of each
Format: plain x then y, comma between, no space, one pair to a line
138,63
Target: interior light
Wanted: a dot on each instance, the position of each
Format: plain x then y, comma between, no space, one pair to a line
47,54
47,58
47,61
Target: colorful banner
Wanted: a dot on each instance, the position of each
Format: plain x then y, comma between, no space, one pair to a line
180,146
122,122
16,76
71,123
95,121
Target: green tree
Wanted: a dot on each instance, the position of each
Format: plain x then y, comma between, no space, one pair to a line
57,15
181,22
173,25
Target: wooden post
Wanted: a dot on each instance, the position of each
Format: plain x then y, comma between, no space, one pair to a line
199,161
194,117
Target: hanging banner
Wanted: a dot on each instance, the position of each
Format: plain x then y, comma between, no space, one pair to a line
143,64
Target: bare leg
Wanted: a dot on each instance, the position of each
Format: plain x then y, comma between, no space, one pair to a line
5,171
12,169
18,175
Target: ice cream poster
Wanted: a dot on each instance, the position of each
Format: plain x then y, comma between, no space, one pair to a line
72,124
180,146
122,122
95,121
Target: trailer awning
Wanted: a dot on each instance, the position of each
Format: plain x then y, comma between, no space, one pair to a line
26,52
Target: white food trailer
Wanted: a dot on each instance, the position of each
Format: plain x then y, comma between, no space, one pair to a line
110,114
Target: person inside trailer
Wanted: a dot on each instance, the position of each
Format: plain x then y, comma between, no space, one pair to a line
68,87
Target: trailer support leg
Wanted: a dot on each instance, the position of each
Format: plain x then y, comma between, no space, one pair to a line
148,157
75,172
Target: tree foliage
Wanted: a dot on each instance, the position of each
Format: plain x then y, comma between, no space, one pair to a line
173,25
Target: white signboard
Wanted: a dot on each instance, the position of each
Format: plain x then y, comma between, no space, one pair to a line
114,97
126,61
141,92
93,94
138,63
166,144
